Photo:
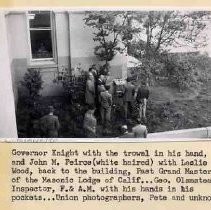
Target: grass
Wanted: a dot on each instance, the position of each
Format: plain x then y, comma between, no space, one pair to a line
170,110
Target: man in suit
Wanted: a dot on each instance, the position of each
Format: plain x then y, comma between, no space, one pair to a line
50,124
90,90
90,123
141,96
100,88
139,131
128,98
105,106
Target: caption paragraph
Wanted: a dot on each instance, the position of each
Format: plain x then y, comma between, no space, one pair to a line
109,175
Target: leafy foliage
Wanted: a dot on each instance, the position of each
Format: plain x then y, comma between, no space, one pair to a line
74,88
202,66
181,72
148,70
33,82
112,30
147,35
162,30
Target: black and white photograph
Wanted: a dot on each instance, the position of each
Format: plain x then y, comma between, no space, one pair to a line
116,73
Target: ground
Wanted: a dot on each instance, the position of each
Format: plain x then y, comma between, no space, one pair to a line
167,109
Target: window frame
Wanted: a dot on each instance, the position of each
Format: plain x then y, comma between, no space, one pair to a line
53,59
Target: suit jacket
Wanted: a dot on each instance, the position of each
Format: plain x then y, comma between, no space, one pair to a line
50,126
140,131
129,92
90,92
100,88
106,99
142,93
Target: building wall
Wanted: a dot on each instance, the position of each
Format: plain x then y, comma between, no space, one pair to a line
74,45
81,42
62,38
82,47
20,53
17,42
8,127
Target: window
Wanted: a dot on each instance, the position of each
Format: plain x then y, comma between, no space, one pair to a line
41,35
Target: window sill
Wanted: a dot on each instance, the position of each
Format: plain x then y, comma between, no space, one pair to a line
42,64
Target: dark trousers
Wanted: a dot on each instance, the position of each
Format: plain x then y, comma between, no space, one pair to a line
105,115
128,109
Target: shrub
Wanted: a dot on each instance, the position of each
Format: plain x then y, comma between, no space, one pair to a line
74,88
33,82
148,71
202,66
181,72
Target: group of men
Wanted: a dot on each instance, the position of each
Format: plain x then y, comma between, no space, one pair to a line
99,100
98,97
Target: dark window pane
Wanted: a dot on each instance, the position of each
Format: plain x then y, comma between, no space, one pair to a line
41,44
39,19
